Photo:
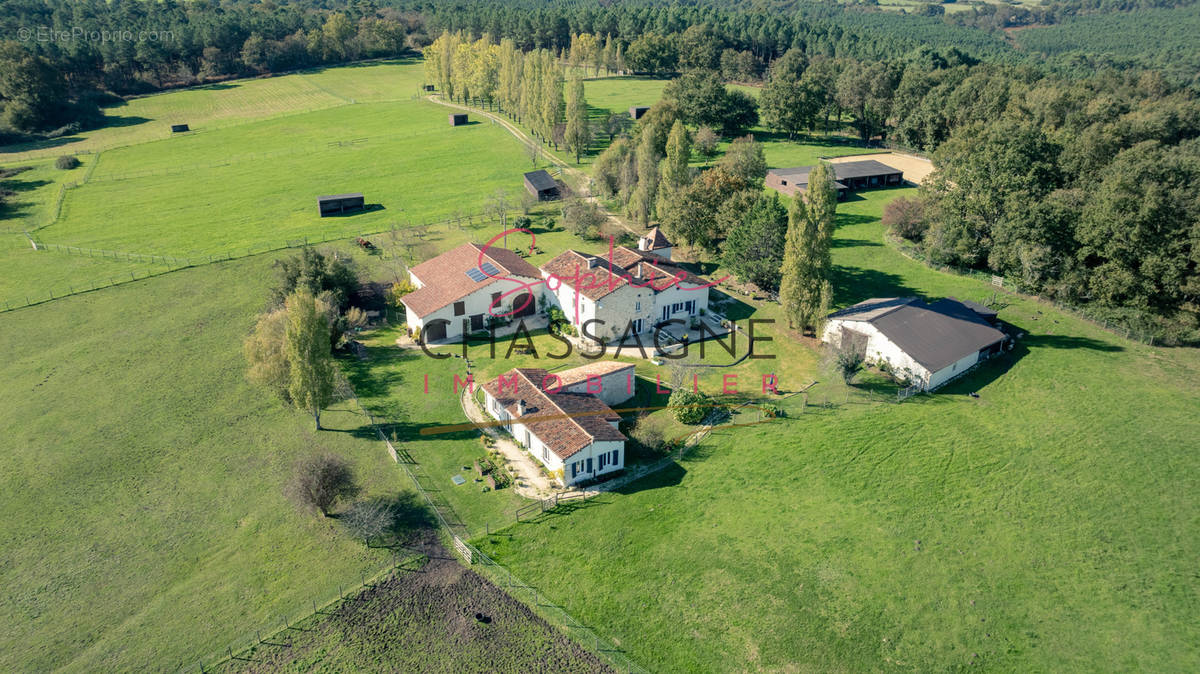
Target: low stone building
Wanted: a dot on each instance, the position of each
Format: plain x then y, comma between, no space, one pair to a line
927,343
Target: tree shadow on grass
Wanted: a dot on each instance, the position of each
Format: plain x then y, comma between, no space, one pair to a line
671,476
733,308
854,243
850,219
855,284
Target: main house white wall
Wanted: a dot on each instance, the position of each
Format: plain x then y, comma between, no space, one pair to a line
617,309
667,299
477,302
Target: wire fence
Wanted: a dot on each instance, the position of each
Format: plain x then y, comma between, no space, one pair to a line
408,236
459,534
278,632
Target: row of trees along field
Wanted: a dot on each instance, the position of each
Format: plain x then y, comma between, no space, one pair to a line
527,86
65,72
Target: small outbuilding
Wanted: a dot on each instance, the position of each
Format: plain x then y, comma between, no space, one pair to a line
179,128
458,118
542,185
428,87
337,204
638,111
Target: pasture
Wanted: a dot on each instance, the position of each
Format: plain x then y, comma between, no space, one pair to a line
143,479
1047,524
1044,525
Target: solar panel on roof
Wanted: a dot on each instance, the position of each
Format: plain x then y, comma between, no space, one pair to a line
475,275
490,269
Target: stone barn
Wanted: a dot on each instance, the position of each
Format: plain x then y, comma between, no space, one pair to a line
638,111
928,344
458,118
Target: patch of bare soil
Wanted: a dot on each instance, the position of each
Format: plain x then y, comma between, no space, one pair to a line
442,617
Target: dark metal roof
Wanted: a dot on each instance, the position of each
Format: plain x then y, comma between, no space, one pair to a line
540,180
841,171
935,335
331,197
862,169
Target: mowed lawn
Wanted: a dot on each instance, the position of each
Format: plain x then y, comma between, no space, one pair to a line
27,275
1048,525
219,105
212,196
142,480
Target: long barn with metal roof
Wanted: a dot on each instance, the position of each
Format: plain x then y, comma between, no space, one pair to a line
848,176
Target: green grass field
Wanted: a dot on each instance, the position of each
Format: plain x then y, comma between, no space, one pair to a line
1054,513
1045,525
220,105
143,476
409,164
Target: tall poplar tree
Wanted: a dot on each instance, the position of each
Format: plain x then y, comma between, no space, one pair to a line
805,290
674,172
311,374
578,132
641,203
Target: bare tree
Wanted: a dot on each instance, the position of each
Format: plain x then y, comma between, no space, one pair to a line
533,152
848,358
369,519
320,481
498,206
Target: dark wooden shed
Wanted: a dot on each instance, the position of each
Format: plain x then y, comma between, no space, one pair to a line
428,87
338,204
179,128
458,118
541,185
638,111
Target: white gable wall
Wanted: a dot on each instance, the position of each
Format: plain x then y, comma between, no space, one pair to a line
879,348
477,302
615,387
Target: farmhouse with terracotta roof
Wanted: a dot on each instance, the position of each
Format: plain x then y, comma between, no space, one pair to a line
627,291
456,290
572,433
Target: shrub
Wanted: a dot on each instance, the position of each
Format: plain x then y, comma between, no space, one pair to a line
648,436
66,162
906,218
320,481
690,406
